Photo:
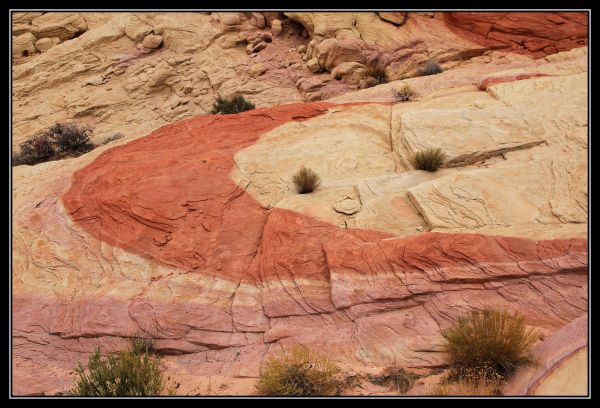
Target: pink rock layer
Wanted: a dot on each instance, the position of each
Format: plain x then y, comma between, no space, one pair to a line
534,33
367,297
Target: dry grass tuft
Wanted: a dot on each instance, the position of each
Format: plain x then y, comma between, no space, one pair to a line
430,159
298,372
431,67
306,180
404,94
489,339
396,378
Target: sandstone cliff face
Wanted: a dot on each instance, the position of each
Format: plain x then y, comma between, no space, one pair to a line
194,233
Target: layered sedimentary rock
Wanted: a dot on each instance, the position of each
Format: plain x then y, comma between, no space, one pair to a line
133,72
537,34
194,234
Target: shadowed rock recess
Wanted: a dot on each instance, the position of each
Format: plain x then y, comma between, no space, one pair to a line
190,228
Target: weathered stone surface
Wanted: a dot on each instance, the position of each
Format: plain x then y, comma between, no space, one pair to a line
23,45
196,235
537,34
60,25
394,18
561,364
152,41
44,44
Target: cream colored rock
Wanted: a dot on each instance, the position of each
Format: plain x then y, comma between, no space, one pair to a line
357,146
136,29
23,45
351,72
257,69
229,19
152,41
44,44
276,27
394,18
61,25
313,65
464,135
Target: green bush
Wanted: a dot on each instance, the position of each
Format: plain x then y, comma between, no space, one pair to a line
306,180
298,372
430,159
235,104
431,67
133,372
489,339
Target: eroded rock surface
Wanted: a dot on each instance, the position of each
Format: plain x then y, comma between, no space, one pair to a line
194,233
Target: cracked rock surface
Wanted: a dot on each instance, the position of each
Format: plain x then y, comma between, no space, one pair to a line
193,232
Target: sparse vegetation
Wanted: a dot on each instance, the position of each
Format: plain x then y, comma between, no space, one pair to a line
38,149
430,159
396,378
133,372
404,94
235,104
306,180
298,372
115,136
377,72
58,141
71,138
488,340
431,67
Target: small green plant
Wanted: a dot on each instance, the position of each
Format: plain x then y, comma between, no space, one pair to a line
489,339
71,138
429,159
133,372
396,378
377,72
298,372
235,104
404,94
306,180
431,67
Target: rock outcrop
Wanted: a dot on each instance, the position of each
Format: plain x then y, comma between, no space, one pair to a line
537,34
193,232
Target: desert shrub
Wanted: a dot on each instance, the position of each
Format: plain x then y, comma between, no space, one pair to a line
306,180
429,159
431,67
396,378
115,136
404,94
235,104
141,343
71,138
377,72
298,372
489,339
133,372
35,150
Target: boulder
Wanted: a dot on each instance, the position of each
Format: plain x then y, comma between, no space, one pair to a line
152,41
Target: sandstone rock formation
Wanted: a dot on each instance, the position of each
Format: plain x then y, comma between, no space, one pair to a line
65,63
192,231
536,34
